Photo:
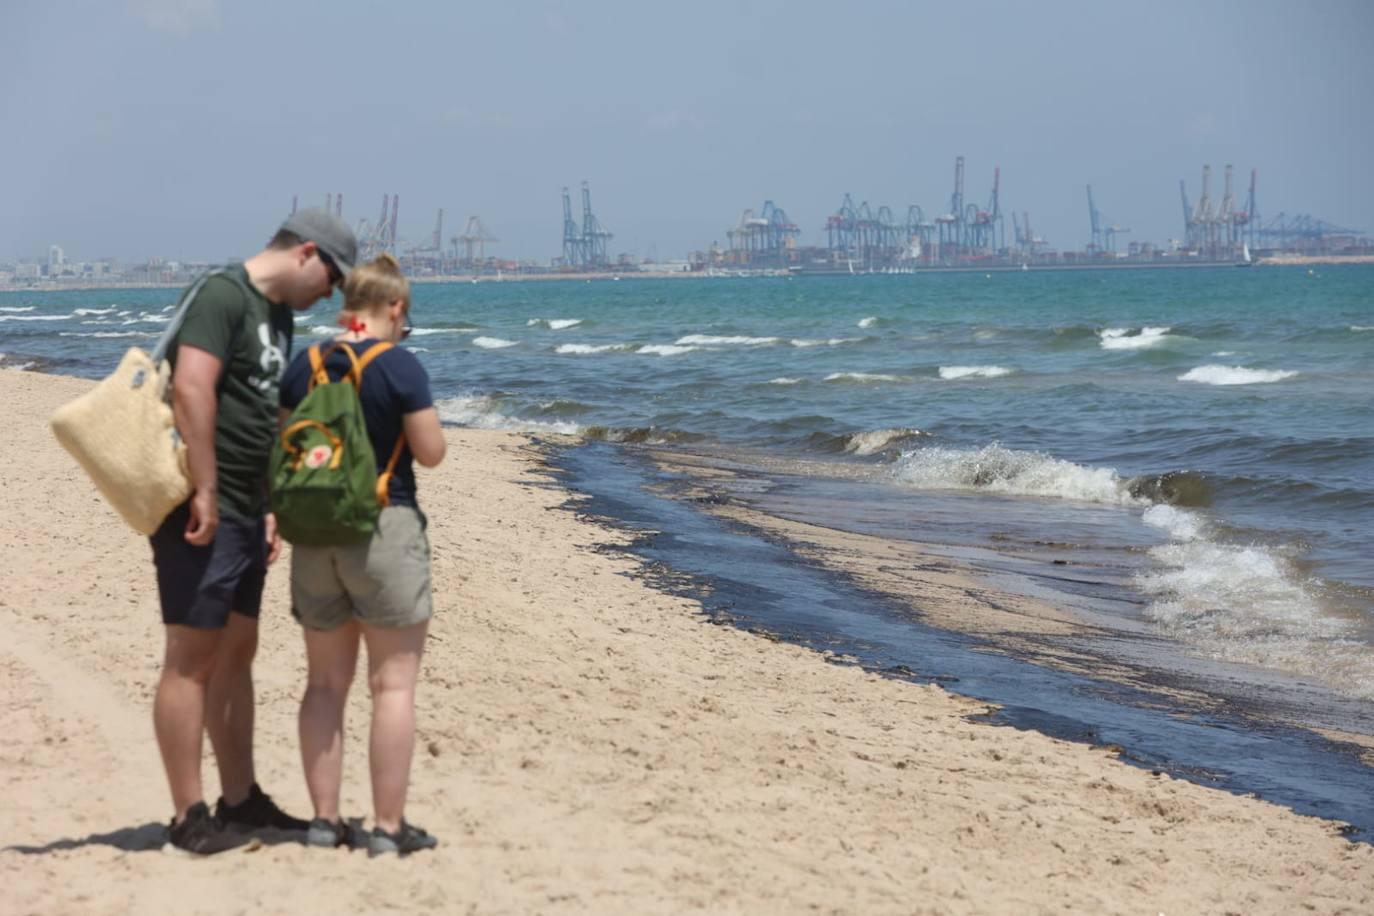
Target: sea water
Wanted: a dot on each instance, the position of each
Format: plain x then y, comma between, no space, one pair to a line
1216,425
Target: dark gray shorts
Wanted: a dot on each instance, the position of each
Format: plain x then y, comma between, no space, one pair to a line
199,586
383,582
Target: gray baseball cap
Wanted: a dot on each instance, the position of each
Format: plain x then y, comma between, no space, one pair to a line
329,233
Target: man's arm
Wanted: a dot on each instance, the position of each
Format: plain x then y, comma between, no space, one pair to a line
195,405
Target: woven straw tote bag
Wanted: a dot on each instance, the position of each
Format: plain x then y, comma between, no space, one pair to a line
123,435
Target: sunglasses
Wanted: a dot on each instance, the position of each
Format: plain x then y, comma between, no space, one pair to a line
335,276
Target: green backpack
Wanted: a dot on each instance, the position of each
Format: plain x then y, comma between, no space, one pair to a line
325,487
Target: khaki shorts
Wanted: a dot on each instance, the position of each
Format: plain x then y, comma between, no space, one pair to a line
384,582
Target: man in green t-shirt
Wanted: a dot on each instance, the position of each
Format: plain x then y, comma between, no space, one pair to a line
213,551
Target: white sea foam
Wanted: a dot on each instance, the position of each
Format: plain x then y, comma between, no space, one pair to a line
36,317
861,377
105,334
485,412
709,340
784,380
1235,375
1250,603
868,322
1362,327
1225,353
665,349
1246,603
84,312
554,324
324,330
1181,524
22,308
493,343
1129,339
875,440
950,373
1003,470
591,348
831,342
425,332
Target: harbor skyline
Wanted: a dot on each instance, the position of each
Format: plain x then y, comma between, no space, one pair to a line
680,123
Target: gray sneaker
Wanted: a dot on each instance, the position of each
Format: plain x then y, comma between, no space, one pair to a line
403,842
334,834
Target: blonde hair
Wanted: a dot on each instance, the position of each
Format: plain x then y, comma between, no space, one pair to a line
377,283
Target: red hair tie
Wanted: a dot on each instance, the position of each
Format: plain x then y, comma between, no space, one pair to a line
355,324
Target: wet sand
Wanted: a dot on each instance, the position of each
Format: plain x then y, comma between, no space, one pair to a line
587,744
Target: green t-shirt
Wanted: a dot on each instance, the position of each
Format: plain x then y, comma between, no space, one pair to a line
230,319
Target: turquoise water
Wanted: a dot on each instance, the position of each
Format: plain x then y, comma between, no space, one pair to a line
1223,415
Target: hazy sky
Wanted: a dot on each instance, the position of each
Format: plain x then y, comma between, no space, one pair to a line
183,127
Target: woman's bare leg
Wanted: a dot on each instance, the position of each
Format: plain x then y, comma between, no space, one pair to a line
393,662
332,656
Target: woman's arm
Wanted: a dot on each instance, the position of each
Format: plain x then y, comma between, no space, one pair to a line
425,436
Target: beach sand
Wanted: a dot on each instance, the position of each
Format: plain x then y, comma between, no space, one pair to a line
586,744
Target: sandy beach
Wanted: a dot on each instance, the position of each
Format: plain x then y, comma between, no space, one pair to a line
587,744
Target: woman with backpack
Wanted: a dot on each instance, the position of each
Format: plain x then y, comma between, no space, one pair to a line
376,591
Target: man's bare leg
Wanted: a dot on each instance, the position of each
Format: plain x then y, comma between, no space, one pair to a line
179,710
229,707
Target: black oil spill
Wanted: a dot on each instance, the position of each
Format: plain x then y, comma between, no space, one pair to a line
745,579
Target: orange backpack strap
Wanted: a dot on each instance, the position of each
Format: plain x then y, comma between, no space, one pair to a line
320,376
377,350
317,374
384,478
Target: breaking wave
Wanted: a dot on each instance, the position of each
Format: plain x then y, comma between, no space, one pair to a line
592,348
554,324
868,322
106,334
30,308
996,469
950,373
1235,375
1129,339
1247,602
862,377
784,380
709,340
831,342
665,349
424,332
493,343
639,435
874,441
484,411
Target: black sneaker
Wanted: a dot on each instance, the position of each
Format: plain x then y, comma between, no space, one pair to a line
202,834
257,812
403,842
334,834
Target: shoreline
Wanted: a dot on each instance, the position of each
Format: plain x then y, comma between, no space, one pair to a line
586,744
1281,260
